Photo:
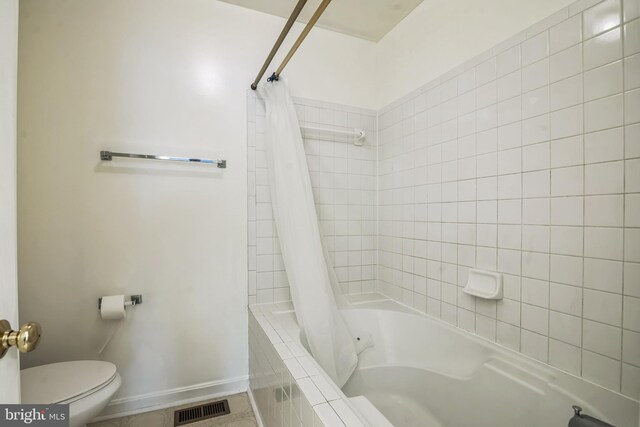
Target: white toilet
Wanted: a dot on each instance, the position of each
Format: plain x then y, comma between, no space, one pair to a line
86,385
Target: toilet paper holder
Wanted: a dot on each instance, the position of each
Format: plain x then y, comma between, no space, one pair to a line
133,300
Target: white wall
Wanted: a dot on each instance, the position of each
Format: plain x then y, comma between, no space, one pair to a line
10,388
442,34
149,76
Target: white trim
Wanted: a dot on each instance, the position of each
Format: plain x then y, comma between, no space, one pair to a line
254,407
173,397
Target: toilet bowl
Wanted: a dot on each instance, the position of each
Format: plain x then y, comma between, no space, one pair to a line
86,385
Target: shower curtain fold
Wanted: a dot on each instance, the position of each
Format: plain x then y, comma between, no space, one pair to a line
314,287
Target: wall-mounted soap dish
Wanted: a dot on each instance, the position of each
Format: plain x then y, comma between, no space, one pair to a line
484,284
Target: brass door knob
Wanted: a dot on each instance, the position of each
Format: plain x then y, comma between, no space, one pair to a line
26,339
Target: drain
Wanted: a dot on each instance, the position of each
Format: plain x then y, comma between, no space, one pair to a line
201,412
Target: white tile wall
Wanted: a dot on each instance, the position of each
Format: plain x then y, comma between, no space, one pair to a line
526,162
343,177
287,386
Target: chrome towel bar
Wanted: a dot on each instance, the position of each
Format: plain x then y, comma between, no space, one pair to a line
109,155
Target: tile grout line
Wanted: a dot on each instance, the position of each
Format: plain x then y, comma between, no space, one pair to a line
624,197
584,207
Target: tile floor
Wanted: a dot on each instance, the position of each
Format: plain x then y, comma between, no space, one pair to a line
241,416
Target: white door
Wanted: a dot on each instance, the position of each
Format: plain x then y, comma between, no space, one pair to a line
10,364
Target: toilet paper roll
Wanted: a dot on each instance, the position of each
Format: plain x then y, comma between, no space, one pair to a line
112,308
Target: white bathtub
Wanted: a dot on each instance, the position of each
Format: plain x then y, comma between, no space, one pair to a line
420,371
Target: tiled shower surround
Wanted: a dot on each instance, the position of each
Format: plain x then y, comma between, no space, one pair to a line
526,161
343,177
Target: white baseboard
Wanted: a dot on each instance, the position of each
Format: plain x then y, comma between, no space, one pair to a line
254,406
178,396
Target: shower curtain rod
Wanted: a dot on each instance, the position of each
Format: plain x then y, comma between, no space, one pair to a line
281,37
296,45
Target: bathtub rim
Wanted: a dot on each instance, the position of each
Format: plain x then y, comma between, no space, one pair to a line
379,302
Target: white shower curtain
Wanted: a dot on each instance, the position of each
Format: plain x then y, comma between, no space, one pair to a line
313,284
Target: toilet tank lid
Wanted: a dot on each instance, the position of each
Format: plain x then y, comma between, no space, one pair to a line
59,382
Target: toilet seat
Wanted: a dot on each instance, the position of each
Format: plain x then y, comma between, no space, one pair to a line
65,382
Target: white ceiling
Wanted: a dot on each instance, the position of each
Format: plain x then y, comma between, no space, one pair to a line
367,19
